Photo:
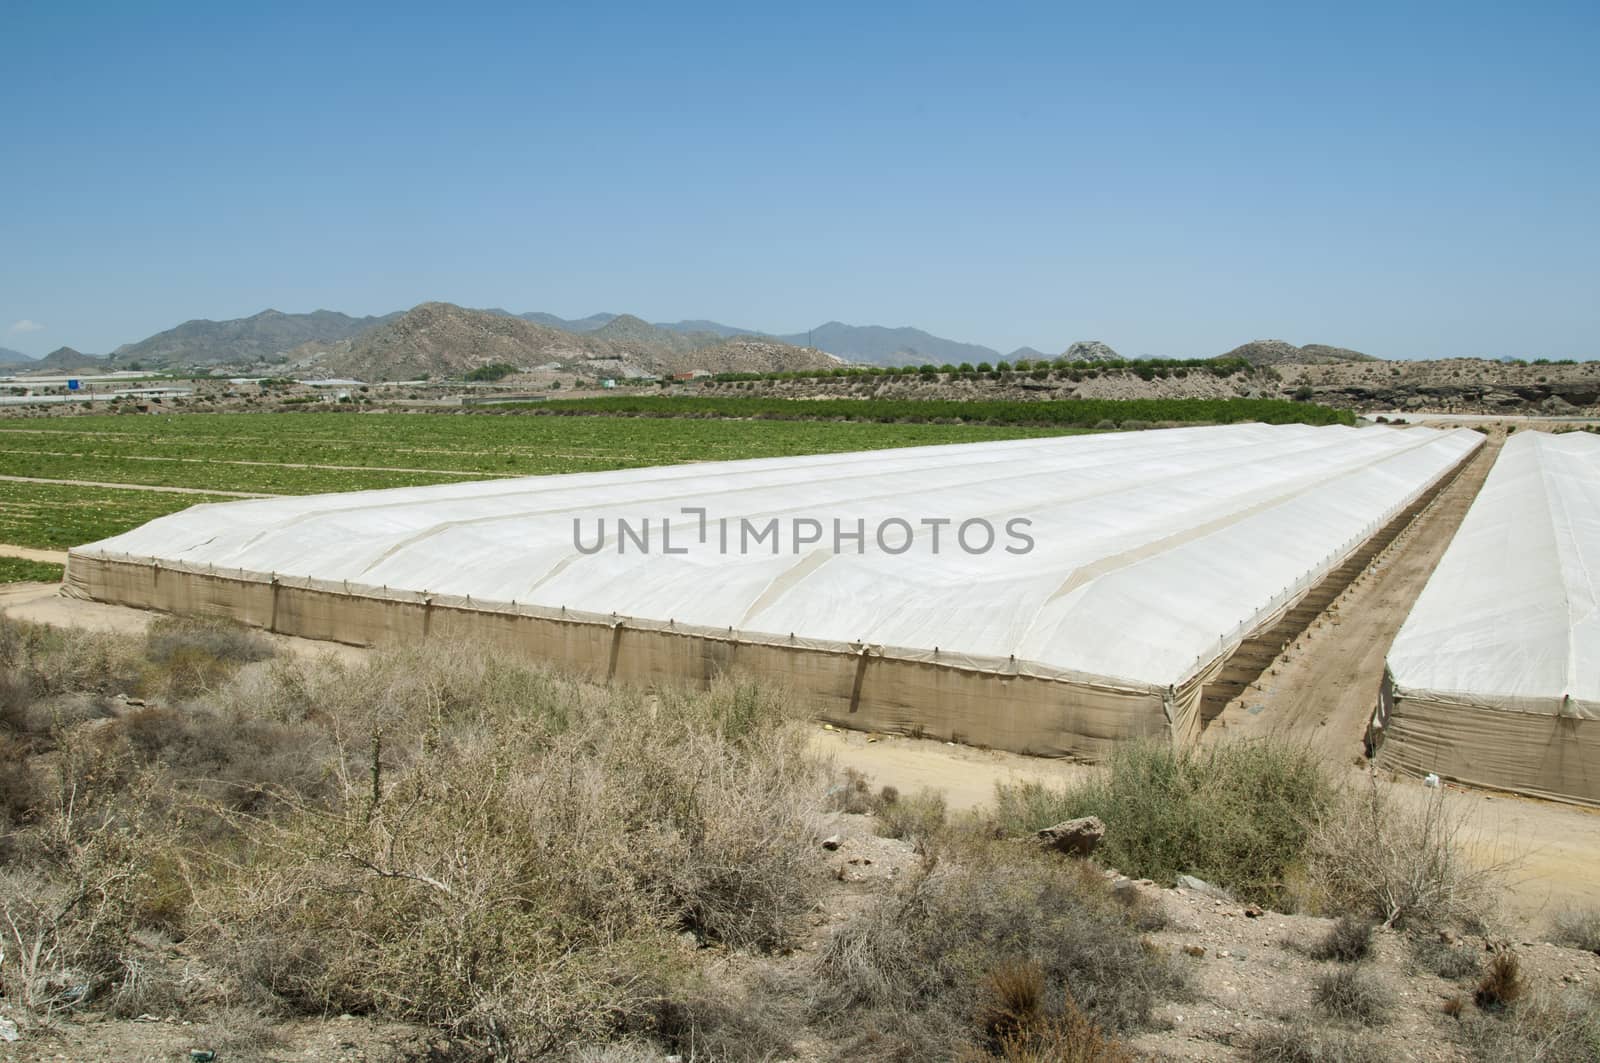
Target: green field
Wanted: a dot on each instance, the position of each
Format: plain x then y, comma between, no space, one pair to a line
17,570
278,453
56,516
1077,413
260,452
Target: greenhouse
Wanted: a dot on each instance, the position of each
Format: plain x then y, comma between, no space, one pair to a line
1039,595
1494,679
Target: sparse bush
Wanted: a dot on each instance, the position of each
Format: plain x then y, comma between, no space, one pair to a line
1348,940
917,964
1445,959
1353,994
1402,866
917,818
1300,1042
1551,1028
519,844
1238,814
1578,929
188,656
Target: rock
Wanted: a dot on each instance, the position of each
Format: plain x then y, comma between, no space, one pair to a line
1195,950
1253,912
8,1031
832,842
1200,885
1076,837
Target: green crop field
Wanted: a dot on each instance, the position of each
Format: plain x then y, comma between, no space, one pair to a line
17,570
271,453
1080,413
277,453
58,516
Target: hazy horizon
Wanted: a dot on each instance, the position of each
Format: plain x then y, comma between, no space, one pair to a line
1407,183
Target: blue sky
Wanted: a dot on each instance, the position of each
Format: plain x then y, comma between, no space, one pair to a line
1410,180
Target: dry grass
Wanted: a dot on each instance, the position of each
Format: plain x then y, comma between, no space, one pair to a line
1578,929
1348,940
1303,1042
1551,1028
1444,959
1353,994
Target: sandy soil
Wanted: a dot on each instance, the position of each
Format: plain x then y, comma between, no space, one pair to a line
28,553
43,603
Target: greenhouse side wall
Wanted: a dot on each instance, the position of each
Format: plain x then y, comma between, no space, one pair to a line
1547,750
860,687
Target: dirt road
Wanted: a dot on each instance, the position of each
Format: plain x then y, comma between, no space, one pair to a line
1323,690
28,553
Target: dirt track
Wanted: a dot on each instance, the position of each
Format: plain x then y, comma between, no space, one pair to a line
1325,688
134,487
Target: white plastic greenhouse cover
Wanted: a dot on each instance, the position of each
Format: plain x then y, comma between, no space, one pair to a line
1153,551
1510,618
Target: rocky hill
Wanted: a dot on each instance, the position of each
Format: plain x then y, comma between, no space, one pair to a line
15,358
444,340
1028,354
579,324
244,340
1090,351
631,334
65,358
751,354
1282,352
890,346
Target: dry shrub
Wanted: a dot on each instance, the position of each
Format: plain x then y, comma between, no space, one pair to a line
918,818
1578,929
37,662
1445,959
66,923
853,794
939,961
507,850
1302,1042
1375,856
1349,939
1353,994
186,656
1501,984
1552,1028
1238,815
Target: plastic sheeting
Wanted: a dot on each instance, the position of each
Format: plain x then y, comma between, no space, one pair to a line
1494,678
1152,552
1510,618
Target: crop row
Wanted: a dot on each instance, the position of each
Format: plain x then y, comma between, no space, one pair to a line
265,452
1081,413
56,516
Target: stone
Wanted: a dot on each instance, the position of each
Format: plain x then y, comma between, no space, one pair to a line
832,842
1075,837
1201,886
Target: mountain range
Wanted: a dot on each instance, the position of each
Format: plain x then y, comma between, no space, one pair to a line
441,339
243,340
400,344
